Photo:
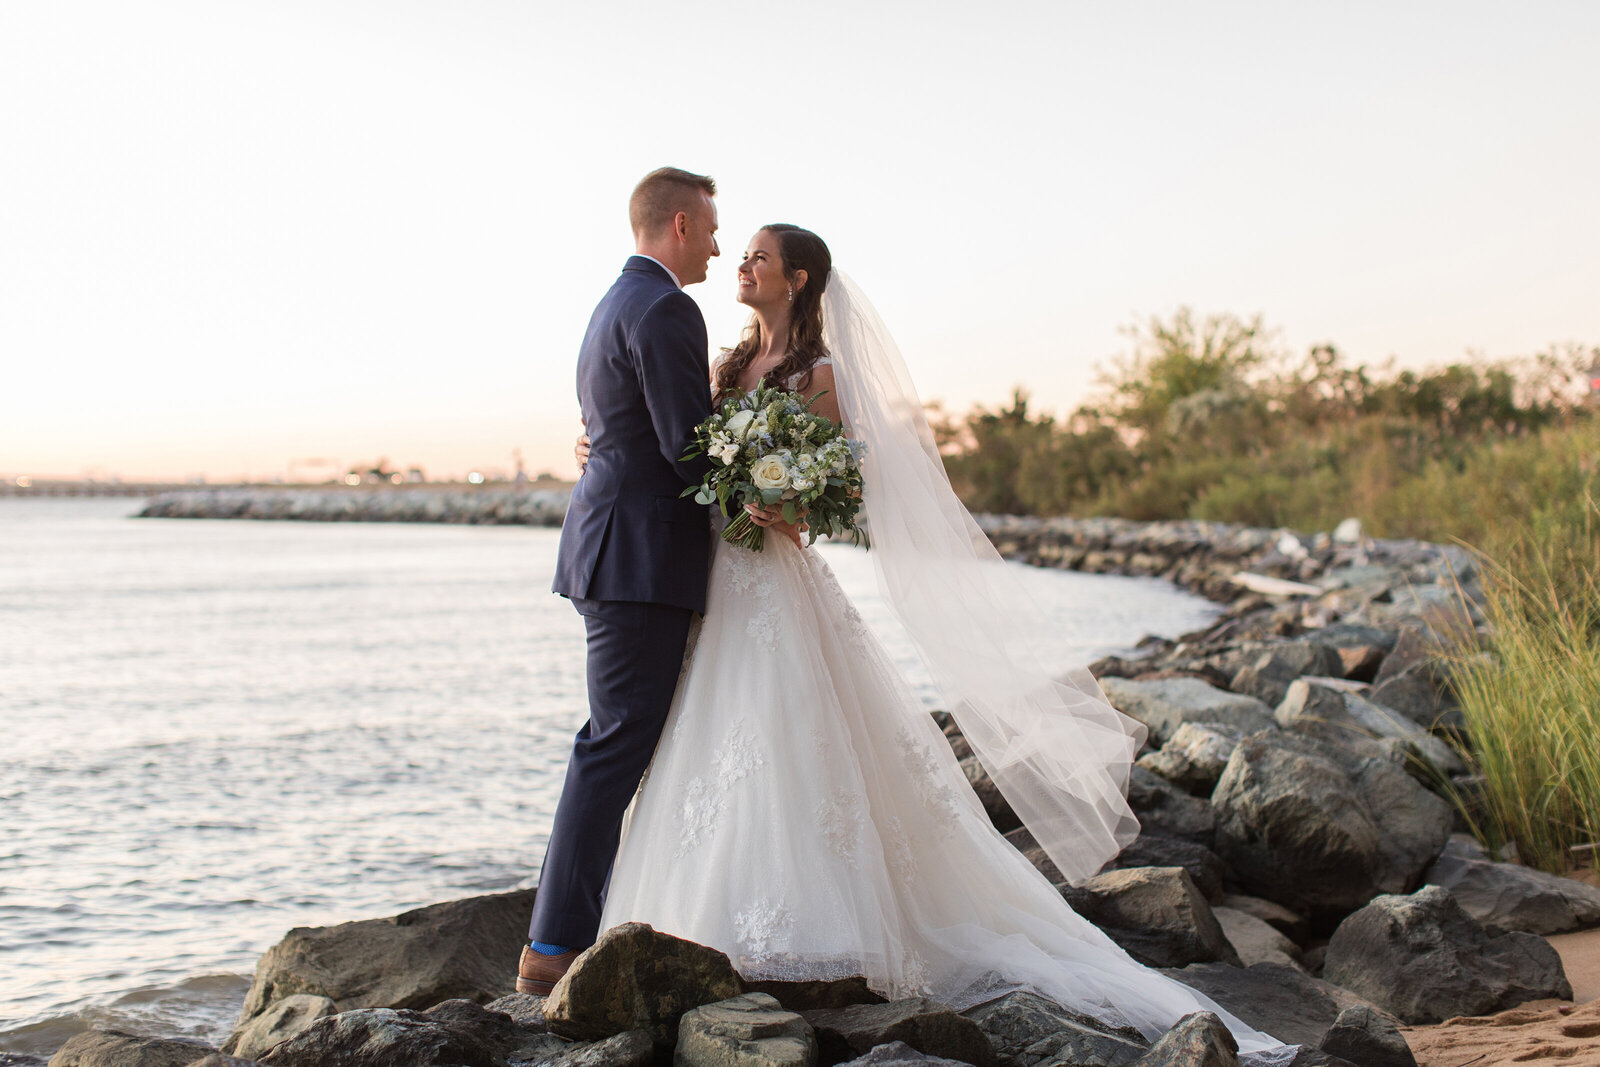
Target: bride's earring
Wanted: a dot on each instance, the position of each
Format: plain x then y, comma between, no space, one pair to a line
791,294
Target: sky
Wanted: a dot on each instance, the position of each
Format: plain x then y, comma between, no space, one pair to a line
286,238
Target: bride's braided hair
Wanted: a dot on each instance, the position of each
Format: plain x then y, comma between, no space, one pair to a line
799,250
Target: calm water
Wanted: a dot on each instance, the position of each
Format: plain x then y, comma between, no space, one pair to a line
215,731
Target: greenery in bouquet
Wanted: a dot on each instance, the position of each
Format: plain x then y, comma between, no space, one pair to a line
770,449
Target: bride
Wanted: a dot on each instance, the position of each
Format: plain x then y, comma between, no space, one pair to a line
803,813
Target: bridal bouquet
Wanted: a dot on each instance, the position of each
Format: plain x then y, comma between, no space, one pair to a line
771,449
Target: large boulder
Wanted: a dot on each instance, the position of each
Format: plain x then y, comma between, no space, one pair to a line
113,1048
1199,1040
1321,830
1423,959
1165,704
634,978
844,1033
1369,1037
452,1034
1027,1029
1165,809
1155,913
1274,998
1337,716
460,949
1194,756
1509,896
281,1021
752,1030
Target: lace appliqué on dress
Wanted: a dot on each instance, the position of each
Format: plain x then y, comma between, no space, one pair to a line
763,928
736,758
750,575
702,807
924,768
841,817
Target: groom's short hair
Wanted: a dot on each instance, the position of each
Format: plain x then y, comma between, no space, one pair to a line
663,193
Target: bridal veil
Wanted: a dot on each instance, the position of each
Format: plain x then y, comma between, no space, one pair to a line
1055,747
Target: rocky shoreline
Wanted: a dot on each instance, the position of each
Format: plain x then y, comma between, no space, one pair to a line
1301,863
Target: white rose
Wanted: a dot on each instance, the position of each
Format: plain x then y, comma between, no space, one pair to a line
803,483
770,472
739,423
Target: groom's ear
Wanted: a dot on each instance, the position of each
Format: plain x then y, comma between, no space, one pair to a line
680,225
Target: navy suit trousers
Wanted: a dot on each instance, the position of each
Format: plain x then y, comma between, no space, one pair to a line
634,656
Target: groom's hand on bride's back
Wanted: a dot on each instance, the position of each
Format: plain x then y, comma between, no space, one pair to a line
772,518
580,452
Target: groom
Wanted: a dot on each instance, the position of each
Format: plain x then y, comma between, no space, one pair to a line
634,556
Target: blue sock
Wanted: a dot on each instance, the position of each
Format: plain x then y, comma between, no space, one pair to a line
547,950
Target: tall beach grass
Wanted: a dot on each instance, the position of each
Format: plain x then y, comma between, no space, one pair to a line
1532,700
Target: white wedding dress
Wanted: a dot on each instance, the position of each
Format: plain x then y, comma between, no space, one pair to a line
805,815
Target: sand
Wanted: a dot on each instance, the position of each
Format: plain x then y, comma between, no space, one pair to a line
1544,1031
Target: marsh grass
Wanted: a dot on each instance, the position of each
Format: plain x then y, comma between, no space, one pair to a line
1532,700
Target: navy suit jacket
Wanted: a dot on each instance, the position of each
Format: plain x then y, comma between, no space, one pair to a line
643,384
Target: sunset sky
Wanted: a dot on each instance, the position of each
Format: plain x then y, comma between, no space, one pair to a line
239,235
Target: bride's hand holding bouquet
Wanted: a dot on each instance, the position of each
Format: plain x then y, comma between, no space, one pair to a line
773,452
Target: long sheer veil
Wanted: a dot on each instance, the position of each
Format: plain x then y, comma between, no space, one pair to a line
1057,750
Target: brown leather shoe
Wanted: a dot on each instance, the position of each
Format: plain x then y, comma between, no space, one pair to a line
538,973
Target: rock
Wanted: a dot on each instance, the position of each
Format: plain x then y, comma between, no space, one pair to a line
1288,923
463,948
1165,705
1155,913
634,978
1268,676
1318,830
1354,635
838,993
1412,648
525,1009
1422,958
1199,1040
995,805
216,1059
926,1026
281,1021
1318,710
1194,756
1255,940
1414,693
752,1030
900,1054
1348,532
1272,997
113,1048
1359,662
1027,1029
1158,850
1166,810
1368,1037
631,1048
456,1033
1509,896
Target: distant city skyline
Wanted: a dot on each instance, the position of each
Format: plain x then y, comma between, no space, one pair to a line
243,235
